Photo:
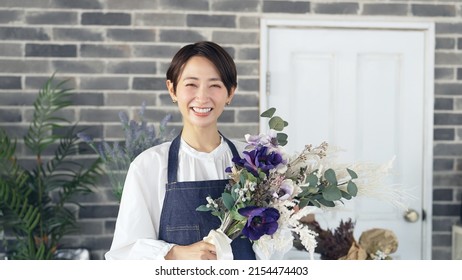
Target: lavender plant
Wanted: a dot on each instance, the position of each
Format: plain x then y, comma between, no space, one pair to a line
139,136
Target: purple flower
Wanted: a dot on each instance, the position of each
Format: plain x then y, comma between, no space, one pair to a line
285,191
260,221
259,159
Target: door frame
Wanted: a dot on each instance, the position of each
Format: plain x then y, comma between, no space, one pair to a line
428,28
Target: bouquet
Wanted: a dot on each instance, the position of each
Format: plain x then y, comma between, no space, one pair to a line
270,191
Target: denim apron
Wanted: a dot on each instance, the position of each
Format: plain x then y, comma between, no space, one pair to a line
180,223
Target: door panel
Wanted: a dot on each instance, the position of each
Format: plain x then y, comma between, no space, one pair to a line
363,91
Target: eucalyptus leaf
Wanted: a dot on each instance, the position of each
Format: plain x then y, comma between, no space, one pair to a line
228,200
203,208
331,177
312,180
326,202
315,203
352,174
332,193
303,202
282,139
276,123
346,195
352,188
268,113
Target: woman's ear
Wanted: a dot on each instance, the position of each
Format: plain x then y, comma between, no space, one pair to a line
230,95
171,90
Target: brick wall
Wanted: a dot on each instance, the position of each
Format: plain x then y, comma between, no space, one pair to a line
115,53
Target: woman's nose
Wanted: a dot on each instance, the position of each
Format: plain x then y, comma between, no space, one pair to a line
202,94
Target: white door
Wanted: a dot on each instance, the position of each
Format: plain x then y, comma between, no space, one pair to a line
362,90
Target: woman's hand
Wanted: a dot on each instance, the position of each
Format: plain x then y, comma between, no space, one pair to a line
197,251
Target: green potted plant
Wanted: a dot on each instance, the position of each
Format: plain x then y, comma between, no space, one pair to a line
35,201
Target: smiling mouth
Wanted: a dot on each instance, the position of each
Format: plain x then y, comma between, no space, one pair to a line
201,110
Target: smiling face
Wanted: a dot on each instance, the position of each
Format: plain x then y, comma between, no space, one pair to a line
200,93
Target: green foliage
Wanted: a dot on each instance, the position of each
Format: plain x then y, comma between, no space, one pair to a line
34,202
139,136
276,123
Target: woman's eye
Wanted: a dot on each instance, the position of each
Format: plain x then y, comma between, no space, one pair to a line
190,85
217,86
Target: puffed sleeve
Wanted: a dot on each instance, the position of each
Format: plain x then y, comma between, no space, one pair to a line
137,225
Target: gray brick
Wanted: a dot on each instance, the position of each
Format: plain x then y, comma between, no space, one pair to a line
27,3
441,239
87,98
235,6
11,16
248,54
444,73
40,50
67,114
237,132
109,226
160,19
424,10
445,43
439,253
446,209
16,99
385,9
104,50
23,33
447,149
247,69
230,37
443,195
10,82
249,22
459,44
248,116
158,114
100,83
459,161
132,35
36,82
186,36
81,4
100,115
15,130
77,34
90,227
448,58
190,5
448,89
24,66
443,224
54,18
248,84
444,104
132,67
448,28
67,66
11,50
227,116
286,7
105,19
10,115
447,119
131,5
444,134
336,8
442,164
148,83
245,100
155,51
211,21
458,104
130,99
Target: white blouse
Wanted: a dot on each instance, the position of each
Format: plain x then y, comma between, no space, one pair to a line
137,227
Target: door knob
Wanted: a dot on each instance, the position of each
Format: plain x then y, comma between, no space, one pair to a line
411,216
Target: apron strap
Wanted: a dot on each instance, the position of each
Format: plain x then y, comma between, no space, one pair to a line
172,168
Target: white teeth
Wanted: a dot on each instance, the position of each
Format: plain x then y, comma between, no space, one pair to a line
202,110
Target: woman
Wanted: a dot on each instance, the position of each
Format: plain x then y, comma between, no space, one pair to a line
165,184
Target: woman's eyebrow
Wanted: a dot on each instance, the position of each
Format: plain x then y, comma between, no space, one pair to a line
195,78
